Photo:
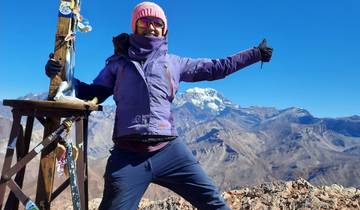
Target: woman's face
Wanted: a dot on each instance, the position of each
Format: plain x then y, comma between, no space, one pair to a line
150,26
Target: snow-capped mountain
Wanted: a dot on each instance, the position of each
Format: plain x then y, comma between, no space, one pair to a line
35,96
207,99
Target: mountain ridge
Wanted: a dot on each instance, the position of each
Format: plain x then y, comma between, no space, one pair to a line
241,146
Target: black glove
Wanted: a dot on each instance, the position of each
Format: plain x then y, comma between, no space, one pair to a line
52,67
265,51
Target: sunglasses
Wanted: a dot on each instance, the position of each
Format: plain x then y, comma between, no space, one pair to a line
146,21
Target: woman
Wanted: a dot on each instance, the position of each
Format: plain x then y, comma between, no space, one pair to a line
144,78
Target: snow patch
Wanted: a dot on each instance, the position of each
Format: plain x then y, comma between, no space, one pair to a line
213,106
203,98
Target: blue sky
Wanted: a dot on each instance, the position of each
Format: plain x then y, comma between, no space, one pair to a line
316,44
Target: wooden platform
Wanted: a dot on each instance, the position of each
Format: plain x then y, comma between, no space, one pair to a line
51,105
48,113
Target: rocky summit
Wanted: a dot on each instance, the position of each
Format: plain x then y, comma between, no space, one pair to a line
299,194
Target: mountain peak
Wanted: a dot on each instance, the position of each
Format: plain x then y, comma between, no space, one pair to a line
204,98
34,96
201,90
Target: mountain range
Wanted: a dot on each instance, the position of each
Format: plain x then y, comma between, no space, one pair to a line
237,146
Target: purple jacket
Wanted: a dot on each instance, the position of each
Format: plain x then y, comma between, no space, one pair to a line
143,91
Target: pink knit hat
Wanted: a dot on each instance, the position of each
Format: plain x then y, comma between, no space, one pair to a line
145,9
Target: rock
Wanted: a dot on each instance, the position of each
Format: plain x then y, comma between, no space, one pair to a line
299,194
351,190
336,187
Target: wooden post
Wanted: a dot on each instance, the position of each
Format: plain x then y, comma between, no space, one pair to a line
65,27
47,168
22,147
9,153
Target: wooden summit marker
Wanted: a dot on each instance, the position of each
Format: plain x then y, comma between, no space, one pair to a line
64,41
49,114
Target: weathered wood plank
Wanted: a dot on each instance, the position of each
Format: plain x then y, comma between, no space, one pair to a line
43,105
9,154
48,158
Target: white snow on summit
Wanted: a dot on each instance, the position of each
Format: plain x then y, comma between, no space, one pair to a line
34,96
204,98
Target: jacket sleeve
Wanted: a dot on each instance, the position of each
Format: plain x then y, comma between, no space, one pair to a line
192,70
102,86
89,91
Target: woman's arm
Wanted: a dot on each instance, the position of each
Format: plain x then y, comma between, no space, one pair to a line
103,85
89,91
193,70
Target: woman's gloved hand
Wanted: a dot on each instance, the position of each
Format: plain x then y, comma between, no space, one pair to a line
265,50
52,67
